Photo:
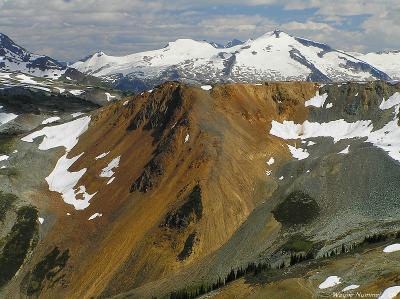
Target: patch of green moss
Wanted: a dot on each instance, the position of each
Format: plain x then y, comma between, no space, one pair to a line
46,269
298,244
18,243
6,145
9,172
6,203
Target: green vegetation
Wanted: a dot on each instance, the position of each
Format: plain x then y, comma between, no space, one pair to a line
6,202
6,145
9,172
194,292
18,243
46,269
298,244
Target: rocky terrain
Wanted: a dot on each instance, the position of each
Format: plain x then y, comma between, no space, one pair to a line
267,190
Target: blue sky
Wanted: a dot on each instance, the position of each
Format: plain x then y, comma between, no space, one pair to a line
72,29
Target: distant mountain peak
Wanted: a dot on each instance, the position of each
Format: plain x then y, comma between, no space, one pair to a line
277,32
15,58
233,42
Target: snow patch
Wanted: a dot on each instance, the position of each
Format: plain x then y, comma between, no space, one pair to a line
317,101
206,87
271,161
337,129
351,287
62,181
331,281
94,216
391,101
6,117
76,92
298,153
107,171
41,220
4,157
76,114
26,79
110,180
387,138
345,151
66,134
390,293
329,105
392,248
50,120
187,138
102,155
109,97
60,90
310,143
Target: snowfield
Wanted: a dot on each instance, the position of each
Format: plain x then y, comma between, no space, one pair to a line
63,181
387,138
65,135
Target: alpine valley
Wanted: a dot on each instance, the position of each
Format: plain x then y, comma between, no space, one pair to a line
263,169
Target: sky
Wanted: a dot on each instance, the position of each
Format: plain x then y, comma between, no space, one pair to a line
72,29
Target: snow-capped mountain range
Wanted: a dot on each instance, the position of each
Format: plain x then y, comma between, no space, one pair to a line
15,58
275,56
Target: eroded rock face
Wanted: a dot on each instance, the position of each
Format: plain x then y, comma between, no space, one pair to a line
146,181
191,210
